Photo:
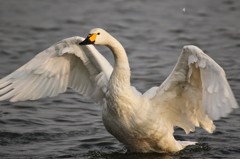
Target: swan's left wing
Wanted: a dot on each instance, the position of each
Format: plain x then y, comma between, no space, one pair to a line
64,64
195,93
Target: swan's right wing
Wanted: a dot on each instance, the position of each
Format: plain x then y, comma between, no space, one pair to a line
194,94
65,64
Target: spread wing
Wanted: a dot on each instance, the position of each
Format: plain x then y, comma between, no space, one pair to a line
52,71
195,93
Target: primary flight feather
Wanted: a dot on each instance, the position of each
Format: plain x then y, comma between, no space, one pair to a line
194,94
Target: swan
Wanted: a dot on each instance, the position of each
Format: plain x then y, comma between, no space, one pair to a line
194,94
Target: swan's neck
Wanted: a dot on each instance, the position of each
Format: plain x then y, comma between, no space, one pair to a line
121,72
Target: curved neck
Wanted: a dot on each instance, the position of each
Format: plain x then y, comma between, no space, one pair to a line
118,51
121,71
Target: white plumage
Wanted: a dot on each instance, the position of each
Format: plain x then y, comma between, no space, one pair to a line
194,94
63,65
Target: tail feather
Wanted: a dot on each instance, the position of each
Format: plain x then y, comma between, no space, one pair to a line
186,143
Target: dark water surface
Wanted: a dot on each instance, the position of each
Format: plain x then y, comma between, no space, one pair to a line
153,33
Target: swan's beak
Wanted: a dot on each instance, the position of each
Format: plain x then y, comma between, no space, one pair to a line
89,40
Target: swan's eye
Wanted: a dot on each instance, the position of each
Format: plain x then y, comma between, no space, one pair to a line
98,33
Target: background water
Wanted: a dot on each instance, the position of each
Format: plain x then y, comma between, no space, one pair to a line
153,33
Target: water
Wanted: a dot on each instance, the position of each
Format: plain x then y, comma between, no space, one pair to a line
153,33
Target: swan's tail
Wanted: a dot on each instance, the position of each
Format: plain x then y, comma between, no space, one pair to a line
186,143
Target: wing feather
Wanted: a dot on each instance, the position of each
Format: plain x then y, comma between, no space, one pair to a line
65,64
195,93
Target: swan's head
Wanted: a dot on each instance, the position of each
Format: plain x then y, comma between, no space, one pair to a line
96,36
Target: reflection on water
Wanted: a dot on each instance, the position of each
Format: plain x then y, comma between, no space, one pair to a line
153,34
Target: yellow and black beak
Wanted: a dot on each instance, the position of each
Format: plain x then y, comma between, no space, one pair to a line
89,40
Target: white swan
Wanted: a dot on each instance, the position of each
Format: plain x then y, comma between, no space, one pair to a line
194,94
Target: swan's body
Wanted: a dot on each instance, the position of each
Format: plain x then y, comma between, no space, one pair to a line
194,94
